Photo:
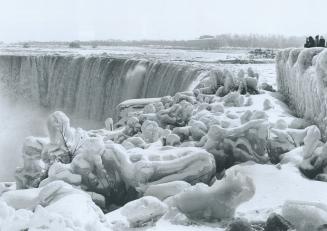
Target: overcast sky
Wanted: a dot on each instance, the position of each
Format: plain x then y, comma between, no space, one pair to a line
45,20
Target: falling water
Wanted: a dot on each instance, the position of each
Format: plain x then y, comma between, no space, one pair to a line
87,88
91,87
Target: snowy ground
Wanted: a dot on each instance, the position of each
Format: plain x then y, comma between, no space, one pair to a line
134,52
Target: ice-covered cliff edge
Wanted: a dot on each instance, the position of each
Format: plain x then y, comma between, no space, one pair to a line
91,86
302,79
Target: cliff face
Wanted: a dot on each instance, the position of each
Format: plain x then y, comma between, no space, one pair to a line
91,87
302,79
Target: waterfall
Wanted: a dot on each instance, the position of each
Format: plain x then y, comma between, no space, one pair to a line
88,88
91,87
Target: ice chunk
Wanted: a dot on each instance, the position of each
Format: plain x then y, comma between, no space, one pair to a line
162,191
173,140
247,142
137,213
156,165
304,215
144,210
29,175
56,206
218,201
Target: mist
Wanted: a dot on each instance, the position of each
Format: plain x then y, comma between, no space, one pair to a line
19,119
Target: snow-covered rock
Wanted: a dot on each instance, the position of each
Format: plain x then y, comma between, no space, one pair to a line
277,222
239,225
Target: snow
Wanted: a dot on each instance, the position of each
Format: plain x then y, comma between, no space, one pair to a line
22,199
168,54
164,225
276,185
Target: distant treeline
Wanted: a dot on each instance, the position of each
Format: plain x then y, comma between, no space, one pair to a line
205,42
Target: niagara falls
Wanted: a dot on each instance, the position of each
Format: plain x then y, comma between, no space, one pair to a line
162,115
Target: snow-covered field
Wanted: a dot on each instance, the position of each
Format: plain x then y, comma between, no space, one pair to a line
209,56
223,148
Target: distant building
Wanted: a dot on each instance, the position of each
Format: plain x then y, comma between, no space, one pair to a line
26,45
74,44
206,37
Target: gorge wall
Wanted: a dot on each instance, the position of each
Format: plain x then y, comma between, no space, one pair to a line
91,86
302,79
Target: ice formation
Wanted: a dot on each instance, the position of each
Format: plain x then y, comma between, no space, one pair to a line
301,78
101,166
239,144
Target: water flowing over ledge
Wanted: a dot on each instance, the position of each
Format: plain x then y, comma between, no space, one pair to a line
92,86
302,79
